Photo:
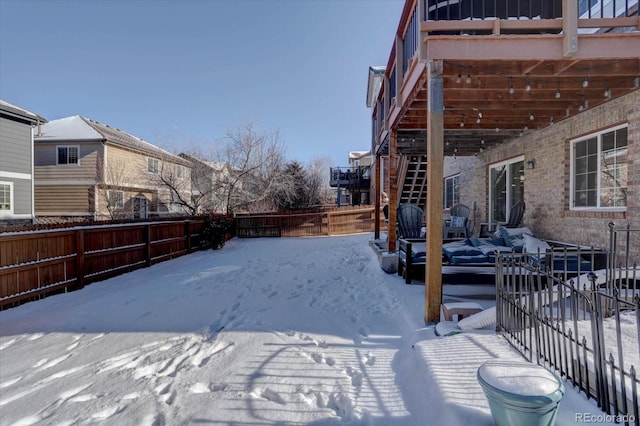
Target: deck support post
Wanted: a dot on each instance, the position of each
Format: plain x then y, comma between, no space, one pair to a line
393,190
435,188
376,233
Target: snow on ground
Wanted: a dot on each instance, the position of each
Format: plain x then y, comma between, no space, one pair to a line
262,332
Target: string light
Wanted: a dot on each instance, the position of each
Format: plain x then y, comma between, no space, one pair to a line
607,93
527,87
468,79
585,83
558,91
459,79
531,117
511,88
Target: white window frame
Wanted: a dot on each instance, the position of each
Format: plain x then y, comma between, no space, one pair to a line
153,165
598,135
456,191
68,147
509,194
120,199
142,202
10,210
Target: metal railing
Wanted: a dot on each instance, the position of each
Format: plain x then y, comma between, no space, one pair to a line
584,325
452,10
353,177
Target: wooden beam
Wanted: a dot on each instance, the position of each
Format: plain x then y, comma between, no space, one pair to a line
435,188
393,189
598,47
570,27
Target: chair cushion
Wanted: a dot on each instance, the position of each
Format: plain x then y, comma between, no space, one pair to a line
457,221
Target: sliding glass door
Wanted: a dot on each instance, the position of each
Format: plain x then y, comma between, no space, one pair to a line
506,188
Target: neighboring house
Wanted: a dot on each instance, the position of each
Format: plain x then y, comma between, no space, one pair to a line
208,184
88,170
16,164
354,180
526,103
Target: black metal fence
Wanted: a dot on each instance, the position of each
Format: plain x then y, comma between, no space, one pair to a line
584,324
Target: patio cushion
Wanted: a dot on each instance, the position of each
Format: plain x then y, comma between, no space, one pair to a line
488,246
534,245
461,260
460,248
513,237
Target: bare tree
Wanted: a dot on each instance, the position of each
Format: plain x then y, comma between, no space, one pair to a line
318,177
205,177
254,164
176,178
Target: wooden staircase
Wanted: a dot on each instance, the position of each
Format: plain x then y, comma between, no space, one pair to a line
412,184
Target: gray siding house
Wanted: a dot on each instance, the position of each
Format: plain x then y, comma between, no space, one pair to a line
16,164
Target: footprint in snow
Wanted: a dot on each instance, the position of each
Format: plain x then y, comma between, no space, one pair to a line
108,412
199,388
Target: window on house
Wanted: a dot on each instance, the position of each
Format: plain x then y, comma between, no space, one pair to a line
153,165
116,199
506,188
6,193
599,170
68,154
180,172
451,191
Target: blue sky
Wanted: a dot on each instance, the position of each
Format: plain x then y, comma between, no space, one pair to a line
182,73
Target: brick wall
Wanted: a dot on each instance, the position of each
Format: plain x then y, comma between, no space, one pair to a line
547,185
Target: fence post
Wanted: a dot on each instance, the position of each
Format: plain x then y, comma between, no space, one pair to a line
328,223
147,238
187,236
80,258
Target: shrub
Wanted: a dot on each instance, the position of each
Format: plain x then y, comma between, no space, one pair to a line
215,232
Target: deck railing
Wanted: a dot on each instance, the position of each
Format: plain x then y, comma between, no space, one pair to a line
586,327
453,10
410,41
352,177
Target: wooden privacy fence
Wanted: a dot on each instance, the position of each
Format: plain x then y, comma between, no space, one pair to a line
306,224
34,264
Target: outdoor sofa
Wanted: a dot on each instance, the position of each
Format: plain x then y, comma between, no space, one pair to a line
557,256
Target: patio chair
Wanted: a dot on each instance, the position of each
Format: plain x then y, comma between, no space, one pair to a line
515,215
409,218
458,224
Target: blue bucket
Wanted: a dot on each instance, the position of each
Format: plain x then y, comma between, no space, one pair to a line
520,393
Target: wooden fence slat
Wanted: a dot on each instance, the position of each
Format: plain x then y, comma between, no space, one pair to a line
299,224
38,263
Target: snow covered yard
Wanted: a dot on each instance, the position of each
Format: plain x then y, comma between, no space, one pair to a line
265,331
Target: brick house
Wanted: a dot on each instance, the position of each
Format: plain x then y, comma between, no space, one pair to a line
513,101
